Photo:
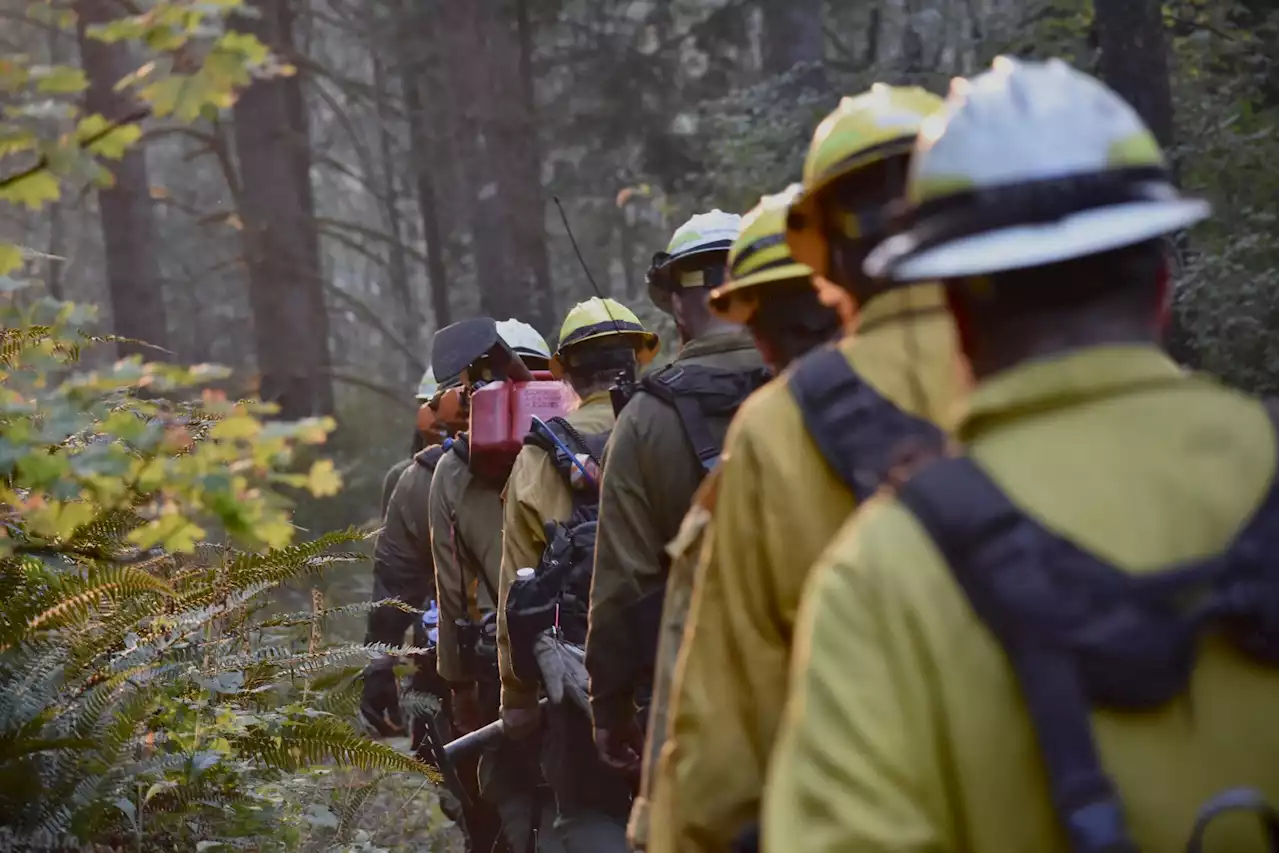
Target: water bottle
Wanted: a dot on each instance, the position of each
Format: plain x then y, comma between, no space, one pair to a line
430,622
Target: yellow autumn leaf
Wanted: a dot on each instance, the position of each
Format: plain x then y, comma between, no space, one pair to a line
10,258
324,481
31,190
59,79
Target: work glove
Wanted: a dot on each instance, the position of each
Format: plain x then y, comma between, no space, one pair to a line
466,707
519,723
380,698
564,672
621,747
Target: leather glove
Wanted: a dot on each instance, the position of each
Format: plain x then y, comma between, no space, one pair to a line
466,707
621,748
519,723
380,698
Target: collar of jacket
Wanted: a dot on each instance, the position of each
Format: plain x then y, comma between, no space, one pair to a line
595,398
1039,386
900,303
718,342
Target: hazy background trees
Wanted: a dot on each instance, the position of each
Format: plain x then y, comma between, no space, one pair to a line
315,232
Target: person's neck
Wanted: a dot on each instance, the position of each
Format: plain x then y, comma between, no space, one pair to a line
1015,349
711,326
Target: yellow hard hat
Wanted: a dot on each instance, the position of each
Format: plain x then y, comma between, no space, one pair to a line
598,318
863,130
759,255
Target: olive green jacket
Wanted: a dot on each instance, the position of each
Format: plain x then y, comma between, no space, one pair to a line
466,540
650,475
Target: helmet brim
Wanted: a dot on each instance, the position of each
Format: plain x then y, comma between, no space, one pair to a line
755,279
645,344
900,258
805,239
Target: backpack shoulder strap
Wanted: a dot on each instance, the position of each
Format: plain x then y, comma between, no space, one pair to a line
857,431
697,391
430,457
971,522
459,445
592,446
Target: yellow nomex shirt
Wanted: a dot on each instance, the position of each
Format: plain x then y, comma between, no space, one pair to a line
905,729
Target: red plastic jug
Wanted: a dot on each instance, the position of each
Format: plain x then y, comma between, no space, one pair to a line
502,414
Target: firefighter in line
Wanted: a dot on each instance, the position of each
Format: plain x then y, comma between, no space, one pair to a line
667,436
465,516
771,295
1063,638
800,454
402,566
426,432
599,339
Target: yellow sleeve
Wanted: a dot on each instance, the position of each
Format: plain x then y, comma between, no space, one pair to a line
726,694
523,541
855,766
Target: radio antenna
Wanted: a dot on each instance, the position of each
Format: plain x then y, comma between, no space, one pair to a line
573,242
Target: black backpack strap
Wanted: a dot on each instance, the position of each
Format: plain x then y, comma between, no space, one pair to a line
461,446
971,520
700,392
856,429
430,457
592,446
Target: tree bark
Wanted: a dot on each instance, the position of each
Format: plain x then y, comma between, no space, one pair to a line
291,327
412,75
1134,60
501,160
398,266
792,33
128,220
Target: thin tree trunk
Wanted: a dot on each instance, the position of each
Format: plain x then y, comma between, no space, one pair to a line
421,149
299,141
398,266
792,33
128,220
1134,60
281,246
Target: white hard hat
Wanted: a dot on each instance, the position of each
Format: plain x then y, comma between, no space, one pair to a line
713,231
523,338
1028,164
427,386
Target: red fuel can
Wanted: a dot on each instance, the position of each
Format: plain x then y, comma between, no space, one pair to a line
502,414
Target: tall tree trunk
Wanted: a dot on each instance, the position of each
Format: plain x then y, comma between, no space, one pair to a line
398,266
282,250
532,235
465,74
792,33
128,220
1134,59
413,72
299,141
504,171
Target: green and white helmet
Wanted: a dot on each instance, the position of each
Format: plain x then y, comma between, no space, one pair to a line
427,386
695,257
523,338
1029,164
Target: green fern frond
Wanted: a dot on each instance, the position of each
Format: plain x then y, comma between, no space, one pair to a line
312,741
111,581
307,617
305,558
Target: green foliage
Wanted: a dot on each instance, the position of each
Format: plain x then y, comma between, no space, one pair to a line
147,696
